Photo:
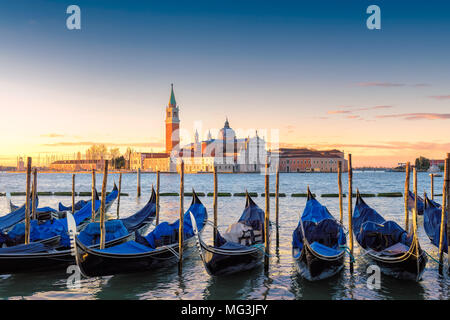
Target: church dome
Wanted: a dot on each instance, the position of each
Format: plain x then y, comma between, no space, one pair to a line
226,133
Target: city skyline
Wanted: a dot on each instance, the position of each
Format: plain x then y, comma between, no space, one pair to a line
314,72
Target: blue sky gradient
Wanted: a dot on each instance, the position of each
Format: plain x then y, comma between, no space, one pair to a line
287,65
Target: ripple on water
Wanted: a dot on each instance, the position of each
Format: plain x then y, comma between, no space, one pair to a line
281,281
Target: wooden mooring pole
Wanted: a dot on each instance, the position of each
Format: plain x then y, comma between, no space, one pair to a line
102,208
27,202
266,218
432,185
407,173
447,177
415,213
445,205
73,193
34,194
139,182
118,196
93,196
157,196
350,209
341,207
181,225
215,205
447,209
277,203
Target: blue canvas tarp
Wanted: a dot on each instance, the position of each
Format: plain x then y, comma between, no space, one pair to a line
56,227
372,231
165,233
78,205
91,234
432,224
25,248
148,212
322,231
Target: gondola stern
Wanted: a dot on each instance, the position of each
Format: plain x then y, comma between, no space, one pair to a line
310,196
195,198
152,196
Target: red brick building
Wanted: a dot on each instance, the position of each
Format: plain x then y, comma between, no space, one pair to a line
307,160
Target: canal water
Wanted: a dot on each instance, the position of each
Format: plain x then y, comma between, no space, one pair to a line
280,282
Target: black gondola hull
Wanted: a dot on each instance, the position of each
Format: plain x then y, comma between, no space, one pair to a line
313,268
36,262
94,264
409,268
219,264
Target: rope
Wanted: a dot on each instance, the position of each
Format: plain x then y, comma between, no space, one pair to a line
173,252
260,246
347,249
441,264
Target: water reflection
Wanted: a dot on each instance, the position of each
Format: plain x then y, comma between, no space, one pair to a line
233,287
281,280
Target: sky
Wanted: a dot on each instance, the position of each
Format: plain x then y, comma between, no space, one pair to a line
310,70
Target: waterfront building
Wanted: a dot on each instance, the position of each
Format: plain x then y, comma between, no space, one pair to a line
77,165
308,160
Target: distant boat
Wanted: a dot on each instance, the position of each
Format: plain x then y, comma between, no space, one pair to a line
433,169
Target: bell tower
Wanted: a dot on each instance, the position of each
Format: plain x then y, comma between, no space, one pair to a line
172,124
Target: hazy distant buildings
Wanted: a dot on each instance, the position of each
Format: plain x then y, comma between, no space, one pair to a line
20,164
77,165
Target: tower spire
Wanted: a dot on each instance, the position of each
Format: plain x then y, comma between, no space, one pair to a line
172,101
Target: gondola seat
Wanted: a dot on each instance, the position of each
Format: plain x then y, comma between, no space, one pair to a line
91,234
325,250
378,237
326,233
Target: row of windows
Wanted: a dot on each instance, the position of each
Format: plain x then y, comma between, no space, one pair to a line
309,161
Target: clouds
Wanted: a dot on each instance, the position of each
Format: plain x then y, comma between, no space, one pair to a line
349,109
109,144
380,84
446,97
417,116
52,135
390,84
351,112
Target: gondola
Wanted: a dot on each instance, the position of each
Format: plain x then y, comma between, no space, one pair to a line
432,223
240,248
387,244
411,204
47,226
78,205
158,249
8,221
41,256
318,242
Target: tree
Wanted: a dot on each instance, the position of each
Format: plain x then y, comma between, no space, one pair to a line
422,163
96,152
114,153
119,162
